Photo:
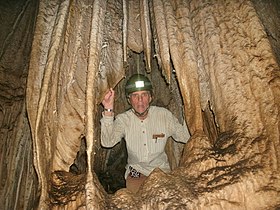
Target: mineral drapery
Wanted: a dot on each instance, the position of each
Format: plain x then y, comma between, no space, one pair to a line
223,62
72,64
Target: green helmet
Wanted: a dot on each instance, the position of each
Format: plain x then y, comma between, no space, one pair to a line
138,82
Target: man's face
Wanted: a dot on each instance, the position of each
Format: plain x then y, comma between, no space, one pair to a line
140,100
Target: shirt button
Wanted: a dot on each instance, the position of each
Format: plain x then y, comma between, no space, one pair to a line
143,131
145,144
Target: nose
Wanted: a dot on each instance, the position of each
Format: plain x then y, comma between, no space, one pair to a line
140,97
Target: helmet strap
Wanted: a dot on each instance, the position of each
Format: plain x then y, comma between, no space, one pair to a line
140,115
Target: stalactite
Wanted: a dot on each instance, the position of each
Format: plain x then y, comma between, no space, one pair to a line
125,20
161,34
146,32
93,197
134,37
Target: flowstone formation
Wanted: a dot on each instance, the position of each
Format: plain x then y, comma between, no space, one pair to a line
212,63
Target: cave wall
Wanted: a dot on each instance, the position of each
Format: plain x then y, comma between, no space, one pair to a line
269,14
16,37
19,183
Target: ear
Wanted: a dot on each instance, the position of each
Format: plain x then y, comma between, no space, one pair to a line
128,100
151,98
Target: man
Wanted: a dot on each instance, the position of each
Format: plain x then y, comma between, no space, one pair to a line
145,129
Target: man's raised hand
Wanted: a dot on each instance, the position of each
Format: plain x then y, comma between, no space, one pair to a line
108,100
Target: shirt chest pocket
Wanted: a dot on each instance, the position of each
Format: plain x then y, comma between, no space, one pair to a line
157,143
158,137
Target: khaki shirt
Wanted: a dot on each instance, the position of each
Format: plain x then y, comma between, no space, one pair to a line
145,139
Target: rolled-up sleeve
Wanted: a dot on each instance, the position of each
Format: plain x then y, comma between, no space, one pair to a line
179,132
112,131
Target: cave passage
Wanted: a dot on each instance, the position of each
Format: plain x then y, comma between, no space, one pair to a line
214,64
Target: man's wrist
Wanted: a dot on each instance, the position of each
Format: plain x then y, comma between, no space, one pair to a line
108,112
